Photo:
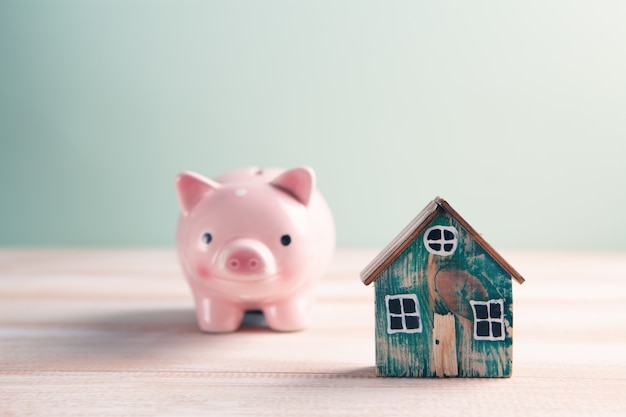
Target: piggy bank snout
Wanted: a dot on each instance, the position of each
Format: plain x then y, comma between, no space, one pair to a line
246,258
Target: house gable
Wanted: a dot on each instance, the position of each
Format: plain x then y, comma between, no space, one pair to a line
415,228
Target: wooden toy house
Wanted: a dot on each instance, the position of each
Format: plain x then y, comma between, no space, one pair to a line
444,304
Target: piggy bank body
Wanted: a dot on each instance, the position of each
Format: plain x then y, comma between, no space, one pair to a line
253,239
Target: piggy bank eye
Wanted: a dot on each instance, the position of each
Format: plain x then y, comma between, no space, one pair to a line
207,238
285,240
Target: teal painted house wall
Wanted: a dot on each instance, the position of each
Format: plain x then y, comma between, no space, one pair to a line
416,271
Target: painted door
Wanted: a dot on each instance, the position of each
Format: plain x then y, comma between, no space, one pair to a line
444,349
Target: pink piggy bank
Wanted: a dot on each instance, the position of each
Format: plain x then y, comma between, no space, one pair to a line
253,239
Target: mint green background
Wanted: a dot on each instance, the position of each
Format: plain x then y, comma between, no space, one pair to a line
513,111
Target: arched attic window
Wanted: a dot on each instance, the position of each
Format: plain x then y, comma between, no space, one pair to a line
441,240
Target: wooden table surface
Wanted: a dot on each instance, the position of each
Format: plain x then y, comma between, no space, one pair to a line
112,332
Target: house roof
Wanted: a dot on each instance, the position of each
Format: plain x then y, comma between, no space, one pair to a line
413,229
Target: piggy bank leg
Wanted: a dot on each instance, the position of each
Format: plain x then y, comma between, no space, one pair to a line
289,315
217,316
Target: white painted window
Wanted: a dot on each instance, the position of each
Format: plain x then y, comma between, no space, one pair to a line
441,240
488,319
403,314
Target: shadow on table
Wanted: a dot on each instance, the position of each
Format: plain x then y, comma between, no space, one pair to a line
150,338
169,320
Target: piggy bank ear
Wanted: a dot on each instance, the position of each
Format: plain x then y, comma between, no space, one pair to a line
299,182
191,188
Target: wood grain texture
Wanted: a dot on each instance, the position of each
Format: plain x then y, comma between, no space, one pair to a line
112,333
444,351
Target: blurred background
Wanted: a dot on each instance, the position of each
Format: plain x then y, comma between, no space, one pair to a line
515,112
